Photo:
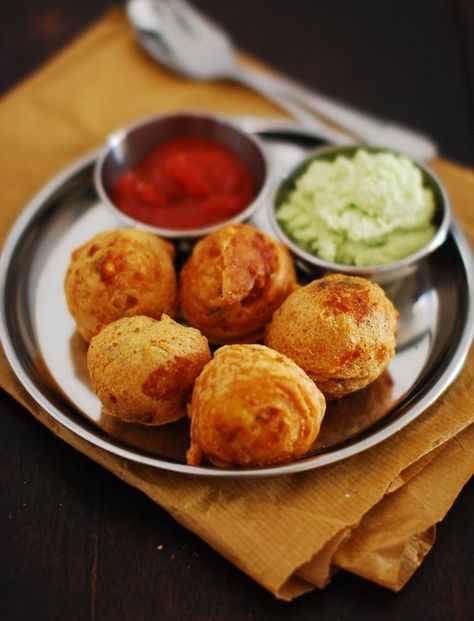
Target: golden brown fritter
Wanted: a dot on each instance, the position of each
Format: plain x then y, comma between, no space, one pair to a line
234,280
252,406
339,329
120,273
143,370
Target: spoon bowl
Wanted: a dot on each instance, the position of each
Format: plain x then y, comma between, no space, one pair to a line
184,40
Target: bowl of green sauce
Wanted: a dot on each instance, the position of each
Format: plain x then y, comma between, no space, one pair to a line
361,210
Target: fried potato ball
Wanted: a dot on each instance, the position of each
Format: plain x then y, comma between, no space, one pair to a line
143,370
120,273
339,329
234,280
252,406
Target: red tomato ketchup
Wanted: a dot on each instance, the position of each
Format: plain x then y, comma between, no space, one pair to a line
185,183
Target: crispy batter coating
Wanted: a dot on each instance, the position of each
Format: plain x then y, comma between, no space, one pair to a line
339,329
234,280
252,406
120,273
143,370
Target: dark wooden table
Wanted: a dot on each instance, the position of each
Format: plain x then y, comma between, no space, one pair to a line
75,542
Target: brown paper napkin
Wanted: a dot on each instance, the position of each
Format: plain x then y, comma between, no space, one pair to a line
373,514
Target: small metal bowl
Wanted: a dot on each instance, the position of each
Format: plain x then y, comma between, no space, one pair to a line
384,273
128,146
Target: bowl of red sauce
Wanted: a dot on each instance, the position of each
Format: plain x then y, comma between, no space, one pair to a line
182,175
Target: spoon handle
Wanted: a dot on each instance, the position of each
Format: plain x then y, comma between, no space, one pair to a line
306,119
365,128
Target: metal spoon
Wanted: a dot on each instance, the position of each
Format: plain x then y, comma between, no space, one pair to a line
178,36
200,51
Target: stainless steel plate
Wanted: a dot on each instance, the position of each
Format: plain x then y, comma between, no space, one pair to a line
39,338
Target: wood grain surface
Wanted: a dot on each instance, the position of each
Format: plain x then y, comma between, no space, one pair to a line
76,542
